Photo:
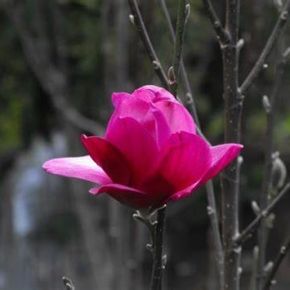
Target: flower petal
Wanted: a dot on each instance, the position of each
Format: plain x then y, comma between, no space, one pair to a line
221,156
136,144
108,157
146,114
118,98
153,94
186,192
124,194
77,167
185,160
177,116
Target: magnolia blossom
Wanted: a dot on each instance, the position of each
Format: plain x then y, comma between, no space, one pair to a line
150,154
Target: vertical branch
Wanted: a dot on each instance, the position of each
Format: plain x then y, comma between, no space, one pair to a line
156,229
232,130
190,99
178,44
138,21
270,108
158,263
212,212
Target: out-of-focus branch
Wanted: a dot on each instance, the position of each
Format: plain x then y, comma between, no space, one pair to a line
280,257
178,44
51,78
278,28
249,230
137,20
213,216
270,105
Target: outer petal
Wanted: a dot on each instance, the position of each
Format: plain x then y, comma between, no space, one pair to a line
118,98
221,156
136,144
185,192
108,157
184,160
124,194
77,167
153,94
177,116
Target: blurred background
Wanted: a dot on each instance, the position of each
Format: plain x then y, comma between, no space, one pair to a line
60,61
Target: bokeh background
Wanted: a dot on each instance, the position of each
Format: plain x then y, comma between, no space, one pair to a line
60,61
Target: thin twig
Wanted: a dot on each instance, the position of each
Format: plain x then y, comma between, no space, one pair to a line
68,284
212,212
253,280
281,21
281,255
190,102
270,105
139,23
178,44
222,35
248,231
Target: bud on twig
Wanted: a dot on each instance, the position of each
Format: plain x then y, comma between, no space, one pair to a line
265,66
68,283
171,76
156,64
268,267
240,44
270,221
164,261
187,12
266,104
278,4
286,53
132,19
256,209
279,171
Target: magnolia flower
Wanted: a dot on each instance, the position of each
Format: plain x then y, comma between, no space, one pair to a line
150,154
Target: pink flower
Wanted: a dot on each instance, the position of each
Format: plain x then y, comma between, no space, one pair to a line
150,153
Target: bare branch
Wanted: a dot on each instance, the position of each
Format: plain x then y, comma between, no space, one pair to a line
279,259
178,43
222,35
213,216
278,28
249,230
270,105
190,103
139,23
